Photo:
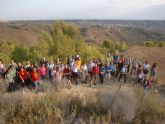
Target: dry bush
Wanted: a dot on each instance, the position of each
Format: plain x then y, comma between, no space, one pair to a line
3,85
102,107
151,109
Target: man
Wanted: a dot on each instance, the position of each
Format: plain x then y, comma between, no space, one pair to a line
123,72
146,67
75,73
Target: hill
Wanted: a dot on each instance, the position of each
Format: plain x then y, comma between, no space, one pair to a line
92,30
24,32
150,54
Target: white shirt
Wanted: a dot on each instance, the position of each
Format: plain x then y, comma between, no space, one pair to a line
146,66
90,66
75,69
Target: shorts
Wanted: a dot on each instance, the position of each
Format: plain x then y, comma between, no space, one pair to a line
35,84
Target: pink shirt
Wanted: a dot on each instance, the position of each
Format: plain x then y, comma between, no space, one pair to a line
43,71
2,68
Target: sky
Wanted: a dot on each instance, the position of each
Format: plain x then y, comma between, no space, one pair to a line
82,9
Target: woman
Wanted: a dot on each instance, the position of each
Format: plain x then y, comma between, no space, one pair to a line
2,68
153,72
43,72
9,76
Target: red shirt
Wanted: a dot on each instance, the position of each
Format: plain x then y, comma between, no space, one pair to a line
95,70
66,70
122,60
34,76
22,74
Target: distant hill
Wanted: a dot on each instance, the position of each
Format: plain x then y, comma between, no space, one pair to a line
92,30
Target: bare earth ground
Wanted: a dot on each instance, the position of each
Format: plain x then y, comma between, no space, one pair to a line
152,55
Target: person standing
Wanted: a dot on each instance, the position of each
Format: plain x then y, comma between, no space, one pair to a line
146,67
2,68
102,74
153,72
95,73
43,72
34,77
123,73
9,76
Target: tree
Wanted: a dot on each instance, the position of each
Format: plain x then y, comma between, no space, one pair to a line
20,54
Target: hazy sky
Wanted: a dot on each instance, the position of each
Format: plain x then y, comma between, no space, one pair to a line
81,9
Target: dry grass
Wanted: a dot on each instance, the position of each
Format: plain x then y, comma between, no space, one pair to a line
82,105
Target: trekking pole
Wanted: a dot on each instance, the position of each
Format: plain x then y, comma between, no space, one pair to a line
117,92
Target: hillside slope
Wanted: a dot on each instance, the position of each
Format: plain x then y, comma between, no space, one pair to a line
92,31
150,54
24,32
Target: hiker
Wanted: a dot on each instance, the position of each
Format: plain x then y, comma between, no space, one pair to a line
128,63
112,70
99,62
153,72
95,73
9,76
109,58
116,58
34,77
50,67
120,65
43,72
75,73
67,75
28,66
134,66
43,61
123,72
22,75
84,70
2,68
102,74
146,67
146,82
13,63
108,71
90,66
140,74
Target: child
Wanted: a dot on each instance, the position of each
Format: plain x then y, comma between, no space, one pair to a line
34,77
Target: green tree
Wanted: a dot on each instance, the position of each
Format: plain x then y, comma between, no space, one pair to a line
20,54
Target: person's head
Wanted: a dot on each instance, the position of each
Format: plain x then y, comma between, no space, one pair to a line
96,64
34,69
146,62
122,56
140,66
66,66
91,61
19,64
1,62
21,68
44,58
43,65
154,65
28,62
12,61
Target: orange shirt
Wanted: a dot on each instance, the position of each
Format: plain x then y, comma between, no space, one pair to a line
34,76
22,74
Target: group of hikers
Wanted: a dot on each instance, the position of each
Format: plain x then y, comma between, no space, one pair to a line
115,68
